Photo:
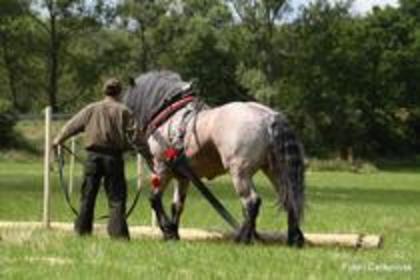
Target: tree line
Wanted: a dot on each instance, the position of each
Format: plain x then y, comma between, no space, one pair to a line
349,83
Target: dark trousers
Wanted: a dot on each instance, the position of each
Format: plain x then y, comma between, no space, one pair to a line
110,168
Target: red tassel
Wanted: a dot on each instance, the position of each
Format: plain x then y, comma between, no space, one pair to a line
155,181
171,154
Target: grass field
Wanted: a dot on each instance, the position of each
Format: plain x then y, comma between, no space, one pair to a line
386,202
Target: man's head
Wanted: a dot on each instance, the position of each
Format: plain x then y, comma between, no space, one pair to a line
112,87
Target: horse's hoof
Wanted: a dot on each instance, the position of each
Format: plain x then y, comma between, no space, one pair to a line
257,236
170,232
242,239
171,237
244,236
295,238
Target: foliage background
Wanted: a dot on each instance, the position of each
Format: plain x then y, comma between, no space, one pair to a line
348,82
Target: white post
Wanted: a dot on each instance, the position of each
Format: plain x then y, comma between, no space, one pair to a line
72,161
47,158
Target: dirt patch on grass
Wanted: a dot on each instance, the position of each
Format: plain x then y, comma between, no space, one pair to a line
50,260
17,237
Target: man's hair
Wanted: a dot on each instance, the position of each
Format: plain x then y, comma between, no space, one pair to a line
112,87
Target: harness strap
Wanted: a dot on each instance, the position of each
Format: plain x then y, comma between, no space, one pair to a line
161,117
178,130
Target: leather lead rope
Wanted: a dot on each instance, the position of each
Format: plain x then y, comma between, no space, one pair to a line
64,187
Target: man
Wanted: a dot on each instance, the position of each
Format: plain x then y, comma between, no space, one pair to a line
109,127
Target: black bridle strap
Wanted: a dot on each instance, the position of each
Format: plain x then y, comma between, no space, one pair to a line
64,186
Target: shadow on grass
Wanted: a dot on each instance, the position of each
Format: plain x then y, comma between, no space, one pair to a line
357,195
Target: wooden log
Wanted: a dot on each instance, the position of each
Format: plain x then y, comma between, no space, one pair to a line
351,240
346,240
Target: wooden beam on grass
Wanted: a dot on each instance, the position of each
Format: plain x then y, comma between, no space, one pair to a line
345,240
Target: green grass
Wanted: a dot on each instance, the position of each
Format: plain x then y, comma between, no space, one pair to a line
384,202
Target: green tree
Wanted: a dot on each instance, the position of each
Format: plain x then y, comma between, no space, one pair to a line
7,123
13,54
324,72
259,49
141,18
200,50
352,78
61,23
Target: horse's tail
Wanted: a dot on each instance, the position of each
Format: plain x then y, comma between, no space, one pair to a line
287,165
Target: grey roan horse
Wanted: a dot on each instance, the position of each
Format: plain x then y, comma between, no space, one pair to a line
240,138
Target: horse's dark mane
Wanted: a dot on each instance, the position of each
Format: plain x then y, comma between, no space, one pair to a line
150,91
162,75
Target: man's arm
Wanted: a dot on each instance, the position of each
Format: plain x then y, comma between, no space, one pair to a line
74,126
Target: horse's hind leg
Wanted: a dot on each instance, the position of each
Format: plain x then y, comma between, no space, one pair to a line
294,233
251,203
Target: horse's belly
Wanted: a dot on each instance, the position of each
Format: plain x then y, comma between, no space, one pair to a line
206,162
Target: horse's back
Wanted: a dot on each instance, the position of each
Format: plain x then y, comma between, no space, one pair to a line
249,118
239,131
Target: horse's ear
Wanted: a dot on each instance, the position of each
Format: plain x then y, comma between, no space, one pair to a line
131,81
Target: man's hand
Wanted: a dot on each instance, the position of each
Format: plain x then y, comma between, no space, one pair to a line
55,145
56,150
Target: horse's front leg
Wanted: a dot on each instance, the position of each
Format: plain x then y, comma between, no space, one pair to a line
178,202
167,226
251,203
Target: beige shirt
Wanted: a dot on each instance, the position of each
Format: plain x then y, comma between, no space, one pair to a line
107,124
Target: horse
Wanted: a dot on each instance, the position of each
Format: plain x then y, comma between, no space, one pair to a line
239,138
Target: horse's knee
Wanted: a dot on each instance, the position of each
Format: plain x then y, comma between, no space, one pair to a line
159,182
243,183
156,182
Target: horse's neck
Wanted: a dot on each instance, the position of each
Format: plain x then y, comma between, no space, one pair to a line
176,125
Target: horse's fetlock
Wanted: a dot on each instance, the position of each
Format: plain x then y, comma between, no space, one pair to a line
295,237
245,234
253,208
170,231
